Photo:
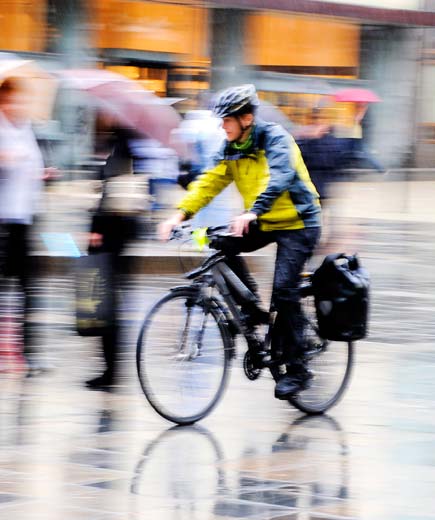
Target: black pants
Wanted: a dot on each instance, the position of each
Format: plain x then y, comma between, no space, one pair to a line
15,261
116,232
294,248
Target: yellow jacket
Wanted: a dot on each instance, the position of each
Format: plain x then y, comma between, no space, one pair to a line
271,177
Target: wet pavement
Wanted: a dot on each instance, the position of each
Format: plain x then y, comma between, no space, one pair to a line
70,453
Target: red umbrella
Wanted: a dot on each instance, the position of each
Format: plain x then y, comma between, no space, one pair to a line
127,101
356,95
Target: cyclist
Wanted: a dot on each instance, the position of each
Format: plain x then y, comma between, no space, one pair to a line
282,206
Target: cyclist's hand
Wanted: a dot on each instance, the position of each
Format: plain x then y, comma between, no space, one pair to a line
166,227
240,224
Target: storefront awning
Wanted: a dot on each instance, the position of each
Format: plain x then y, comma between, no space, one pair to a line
277,82
128,56
364,14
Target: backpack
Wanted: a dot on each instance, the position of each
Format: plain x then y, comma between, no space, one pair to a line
341,294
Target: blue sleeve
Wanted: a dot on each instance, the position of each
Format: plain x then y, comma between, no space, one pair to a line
277,147
140,151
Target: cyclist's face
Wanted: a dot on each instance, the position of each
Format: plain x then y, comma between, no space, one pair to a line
234,126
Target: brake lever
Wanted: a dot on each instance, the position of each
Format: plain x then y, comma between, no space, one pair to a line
180,232
176,234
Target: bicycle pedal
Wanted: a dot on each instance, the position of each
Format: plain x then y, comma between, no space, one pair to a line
261,353
262,359
268,361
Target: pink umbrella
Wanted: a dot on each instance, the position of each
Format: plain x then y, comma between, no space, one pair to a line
356,95
127,101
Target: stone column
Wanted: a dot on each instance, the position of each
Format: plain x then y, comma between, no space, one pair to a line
227,48
69,34
68,22
389,59
425,149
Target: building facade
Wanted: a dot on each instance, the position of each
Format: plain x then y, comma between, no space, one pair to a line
298,53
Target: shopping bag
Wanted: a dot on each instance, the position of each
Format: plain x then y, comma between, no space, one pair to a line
125,195
94,294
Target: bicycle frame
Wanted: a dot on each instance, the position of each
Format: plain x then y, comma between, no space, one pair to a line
223,278
228,283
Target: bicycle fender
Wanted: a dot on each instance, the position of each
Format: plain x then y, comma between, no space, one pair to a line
184,288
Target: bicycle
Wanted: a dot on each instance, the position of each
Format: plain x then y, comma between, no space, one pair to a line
187,343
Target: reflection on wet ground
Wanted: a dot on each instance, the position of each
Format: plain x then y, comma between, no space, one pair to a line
68,453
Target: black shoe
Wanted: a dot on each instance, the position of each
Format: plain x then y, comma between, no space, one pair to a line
293,382
103,382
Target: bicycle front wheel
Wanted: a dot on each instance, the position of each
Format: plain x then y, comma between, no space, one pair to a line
183,356
330,363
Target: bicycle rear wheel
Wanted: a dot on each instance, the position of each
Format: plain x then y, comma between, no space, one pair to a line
183,356
330,363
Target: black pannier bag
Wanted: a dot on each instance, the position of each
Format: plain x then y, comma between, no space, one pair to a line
341,293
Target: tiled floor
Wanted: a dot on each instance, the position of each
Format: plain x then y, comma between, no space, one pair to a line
70,454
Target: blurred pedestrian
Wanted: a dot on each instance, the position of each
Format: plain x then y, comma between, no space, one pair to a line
322,153
323,156
21,183
203,136
356,153
115,223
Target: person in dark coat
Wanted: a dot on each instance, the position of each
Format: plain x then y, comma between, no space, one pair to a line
114,224
322,155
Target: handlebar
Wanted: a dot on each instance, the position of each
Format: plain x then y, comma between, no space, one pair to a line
211,232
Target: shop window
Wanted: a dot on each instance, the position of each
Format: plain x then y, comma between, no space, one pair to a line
150,78
23,25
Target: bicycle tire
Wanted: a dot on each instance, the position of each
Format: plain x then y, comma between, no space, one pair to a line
331,367
330,363
187,389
